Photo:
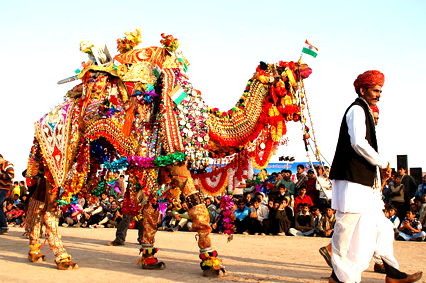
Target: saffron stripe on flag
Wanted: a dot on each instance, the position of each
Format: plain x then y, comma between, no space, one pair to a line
178,94
309,52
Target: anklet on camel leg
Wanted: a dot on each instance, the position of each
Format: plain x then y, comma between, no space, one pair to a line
211,264
148,261
65,263
35,254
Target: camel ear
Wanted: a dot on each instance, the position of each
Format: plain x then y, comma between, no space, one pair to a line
263,66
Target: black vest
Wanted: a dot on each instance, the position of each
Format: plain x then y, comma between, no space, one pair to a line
349,165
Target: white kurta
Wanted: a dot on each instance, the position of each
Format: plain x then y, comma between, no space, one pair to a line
361,228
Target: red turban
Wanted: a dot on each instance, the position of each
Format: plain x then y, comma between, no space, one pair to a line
369,79
374,109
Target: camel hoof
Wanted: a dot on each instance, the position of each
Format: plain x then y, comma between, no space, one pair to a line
67,265
214,273
36,257
155,266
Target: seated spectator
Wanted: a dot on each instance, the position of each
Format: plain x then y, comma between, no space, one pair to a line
261,196
285,202
211,208
304,223
16,200
13,215
165,223
90,215
420,206
180,219
272,210
397,196
316,214
413,207
73,218
282,224
394,218
113,217
411,229
282,191
248,200
258,214
302,198
327,223
242,218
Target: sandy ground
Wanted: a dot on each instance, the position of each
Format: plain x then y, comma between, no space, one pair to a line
246,258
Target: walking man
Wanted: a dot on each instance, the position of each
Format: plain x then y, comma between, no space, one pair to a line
361,228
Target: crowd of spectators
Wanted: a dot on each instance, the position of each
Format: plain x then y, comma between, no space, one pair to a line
279,204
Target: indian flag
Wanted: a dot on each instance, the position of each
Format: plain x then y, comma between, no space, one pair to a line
178,94
157,71
310,49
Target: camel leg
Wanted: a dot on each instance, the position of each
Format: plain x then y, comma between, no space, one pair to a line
51,220
210,263
33,229
148,261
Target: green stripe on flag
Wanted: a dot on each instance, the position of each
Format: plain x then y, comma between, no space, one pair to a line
185,67
309,52
181,97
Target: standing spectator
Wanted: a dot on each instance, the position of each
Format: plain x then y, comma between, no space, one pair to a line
302,198
421,190
258,214
301,176
410,186
327,223
278,180
24,190
121,186
304,223
397,192
16,190
242,218
289,184
411,229
7,173
311,189
323,186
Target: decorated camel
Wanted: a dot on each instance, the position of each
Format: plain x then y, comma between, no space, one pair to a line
140,112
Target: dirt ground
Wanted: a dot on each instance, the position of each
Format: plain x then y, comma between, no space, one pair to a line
246,258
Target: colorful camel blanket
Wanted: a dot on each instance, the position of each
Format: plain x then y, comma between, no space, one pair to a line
52,132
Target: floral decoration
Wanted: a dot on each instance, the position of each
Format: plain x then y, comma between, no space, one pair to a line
169,42
129,41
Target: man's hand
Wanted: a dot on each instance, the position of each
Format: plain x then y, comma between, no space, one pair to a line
253,215
177,216
386,172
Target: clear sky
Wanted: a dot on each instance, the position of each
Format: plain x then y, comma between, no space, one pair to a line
224,42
